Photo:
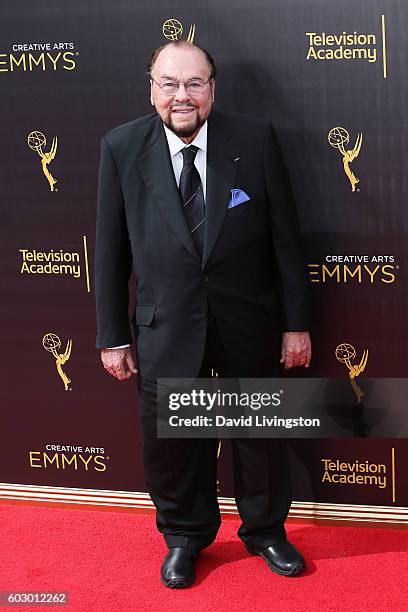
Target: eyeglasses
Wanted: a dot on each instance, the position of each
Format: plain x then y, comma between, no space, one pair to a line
192,86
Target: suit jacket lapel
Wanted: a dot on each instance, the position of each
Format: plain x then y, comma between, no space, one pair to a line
221,173
157,172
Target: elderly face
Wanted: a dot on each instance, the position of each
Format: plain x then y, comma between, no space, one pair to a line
183,112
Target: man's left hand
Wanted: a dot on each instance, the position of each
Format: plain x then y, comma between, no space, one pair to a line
296,349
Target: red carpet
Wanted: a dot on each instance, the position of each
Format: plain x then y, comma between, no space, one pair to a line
110,561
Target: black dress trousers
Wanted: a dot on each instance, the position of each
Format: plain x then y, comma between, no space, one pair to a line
181,474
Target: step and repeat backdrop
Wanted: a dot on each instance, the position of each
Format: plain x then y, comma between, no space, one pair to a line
330,76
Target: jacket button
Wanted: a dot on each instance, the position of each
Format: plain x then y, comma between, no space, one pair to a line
203,313
205,277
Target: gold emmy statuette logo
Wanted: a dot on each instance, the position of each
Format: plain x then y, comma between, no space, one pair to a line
172,30
52,343
36,141
339,138
345,353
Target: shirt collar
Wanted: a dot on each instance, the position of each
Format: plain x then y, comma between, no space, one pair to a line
176,144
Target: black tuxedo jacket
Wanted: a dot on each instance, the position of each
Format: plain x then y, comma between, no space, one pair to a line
251,275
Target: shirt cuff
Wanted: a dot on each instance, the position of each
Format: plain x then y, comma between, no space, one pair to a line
111,348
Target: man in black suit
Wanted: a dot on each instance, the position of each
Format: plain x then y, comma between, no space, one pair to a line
199,201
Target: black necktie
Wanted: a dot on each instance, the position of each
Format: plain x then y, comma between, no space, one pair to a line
192,197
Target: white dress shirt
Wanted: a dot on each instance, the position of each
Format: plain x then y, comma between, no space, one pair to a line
200,162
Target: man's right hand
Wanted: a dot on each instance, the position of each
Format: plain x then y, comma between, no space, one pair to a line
119,362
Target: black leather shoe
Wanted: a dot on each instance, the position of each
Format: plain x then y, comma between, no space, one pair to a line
282,557
177,571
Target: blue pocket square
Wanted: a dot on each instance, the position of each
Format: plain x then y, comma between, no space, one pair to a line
238,197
